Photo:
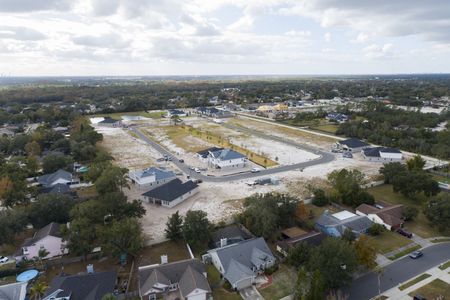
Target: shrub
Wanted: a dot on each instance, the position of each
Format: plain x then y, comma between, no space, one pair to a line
319,198
376,229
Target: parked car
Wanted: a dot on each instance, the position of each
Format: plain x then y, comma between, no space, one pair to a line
197,170
255,170
3,259
416,254
404,233
160,159
419,297
197,181
181,160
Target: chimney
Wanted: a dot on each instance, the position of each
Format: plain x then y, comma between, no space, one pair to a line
90,269
223,242
164,259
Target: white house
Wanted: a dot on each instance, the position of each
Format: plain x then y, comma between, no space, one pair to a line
226,158
151,177
108,122
185,279
172,193
48,238
176,112
242,262
382,154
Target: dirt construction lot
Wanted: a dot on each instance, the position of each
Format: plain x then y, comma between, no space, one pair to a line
220,200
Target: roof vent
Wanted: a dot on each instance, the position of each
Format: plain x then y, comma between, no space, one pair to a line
164,259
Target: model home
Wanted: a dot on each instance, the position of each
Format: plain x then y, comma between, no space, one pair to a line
60,176
184,279
352,145
390,216
242,262
172,193
108,122
226,158
48,238
151,177
382,154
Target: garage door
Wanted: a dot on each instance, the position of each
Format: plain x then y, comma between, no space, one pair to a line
244,283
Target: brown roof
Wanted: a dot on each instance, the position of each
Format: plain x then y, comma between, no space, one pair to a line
313,238
367,209
390,219
394,210
293,232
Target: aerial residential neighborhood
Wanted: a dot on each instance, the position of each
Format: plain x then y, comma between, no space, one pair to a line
200,150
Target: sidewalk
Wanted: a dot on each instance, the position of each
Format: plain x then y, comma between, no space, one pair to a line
396,294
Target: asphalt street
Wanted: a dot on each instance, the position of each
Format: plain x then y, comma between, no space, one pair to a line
324,157
400,271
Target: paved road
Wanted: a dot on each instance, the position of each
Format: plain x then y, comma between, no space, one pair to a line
366,287
325,157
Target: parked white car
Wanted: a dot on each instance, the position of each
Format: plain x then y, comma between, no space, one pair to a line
3,259
255,170
197,170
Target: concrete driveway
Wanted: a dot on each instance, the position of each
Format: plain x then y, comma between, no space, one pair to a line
250,293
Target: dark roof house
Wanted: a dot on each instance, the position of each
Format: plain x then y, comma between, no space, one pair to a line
60,176
353,143
82,287
313,238
186,276
59,188
230,234
205,153
171,193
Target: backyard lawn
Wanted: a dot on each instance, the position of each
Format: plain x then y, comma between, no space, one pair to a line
222,294
283,283
437,289
420,225
148,114
174,251
388,241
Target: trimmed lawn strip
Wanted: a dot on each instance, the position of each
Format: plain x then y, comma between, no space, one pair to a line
175,251
440,240
388,241
420,225
414,281
437,289
404,252
445,265
221,293
213,275
283,284
224,142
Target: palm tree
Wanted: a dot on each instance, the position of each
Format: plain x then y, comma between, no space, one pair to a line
38,290
41,255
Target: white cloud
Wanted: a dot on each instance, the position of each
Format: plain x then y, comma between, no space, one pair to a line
327,37
375,51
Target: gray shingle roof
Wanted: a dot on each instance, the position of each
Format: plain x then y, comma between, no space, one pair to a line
13,291
231,232
84,287
187,273
171,190
108,121
249,253
59,188
51,229
48,179
226,154
158,173
355,223
353,143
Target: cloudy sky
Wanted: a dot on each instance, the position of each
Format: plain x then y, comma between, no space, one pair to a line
181,37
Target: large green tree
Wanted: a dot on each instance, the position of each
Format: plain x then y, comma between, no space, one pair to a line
112,179
174,227
196,228
438,212
122,237
54,162
347,187
50,208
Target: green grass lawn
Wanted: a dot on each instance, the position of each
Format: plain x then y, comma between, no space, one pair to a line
437,289
440,178
222,294
213,274
445,265
404,252
388,241
174,251
414,281
420,225
283,283
329,128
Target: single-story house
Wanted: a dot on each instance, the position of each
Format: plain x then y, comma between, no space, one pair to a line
242,262
230,234
294,236
60,176
336,224
186,279
6,132
352,145
226,158
390,216
88,286
382,154
171,193
151,177
48,237
109,122
213,112
13,291
60,189
176,112
337,117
